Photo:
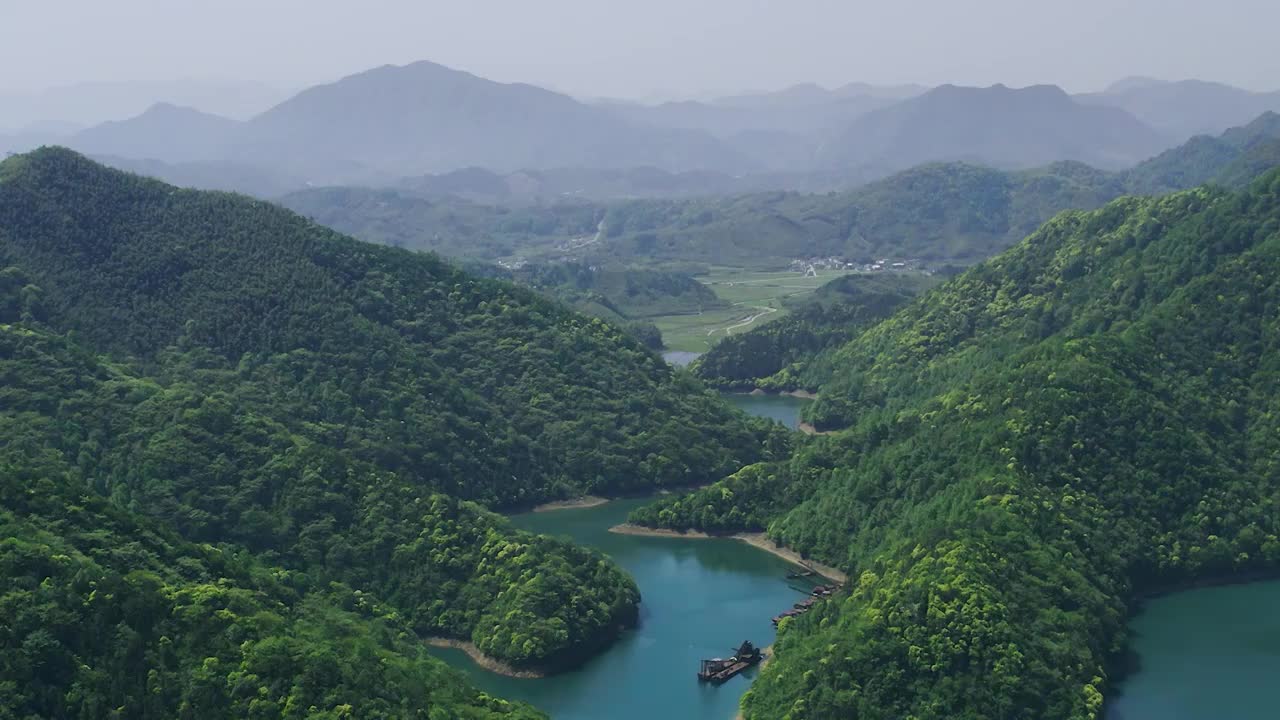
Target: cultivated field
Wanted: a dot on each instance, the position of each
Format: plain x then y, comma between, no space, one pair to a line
756,297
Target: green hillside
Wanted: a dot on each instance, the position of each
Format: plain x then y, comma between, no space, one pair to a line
1020,455
628,292
1233,159
794,352
107,615
221,369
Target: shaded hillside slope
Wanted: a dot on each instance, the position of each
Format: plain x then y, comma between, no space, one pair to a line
325,402
794,352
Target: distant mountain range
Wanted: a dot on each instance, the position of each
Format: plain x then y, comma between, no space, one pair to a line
426,117
525,187
428,122
176,134
1185,108
71,107
997,126
937,214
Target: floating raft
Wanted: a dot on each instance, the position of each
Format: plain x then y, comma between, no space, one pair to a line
717,670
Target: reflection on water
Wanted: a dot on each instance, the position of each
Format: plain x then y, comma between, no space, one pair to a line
783,408
680,358
701,599
1209,654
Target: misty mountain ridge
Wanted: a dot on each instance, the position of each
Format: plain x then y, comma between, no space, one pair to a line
813,94
85,104
1185,108
424,119
999,126
164,131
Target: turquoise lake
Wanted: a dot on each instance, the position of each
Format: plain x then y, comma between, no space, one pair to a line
1207,654
783,408
701,599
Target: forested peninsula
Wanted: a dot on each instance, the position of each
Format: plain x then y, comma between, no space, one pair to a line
241,449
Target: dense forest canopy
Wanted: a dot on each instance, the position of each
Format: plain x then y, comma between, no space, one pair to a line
794,352
1019,455
107,615
219,371
628,292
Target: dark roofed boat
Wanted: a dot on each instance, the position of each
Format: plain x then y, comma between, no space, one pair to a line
717,670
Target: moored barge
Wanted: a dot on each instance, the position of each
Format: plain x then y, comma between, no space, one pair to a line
717,670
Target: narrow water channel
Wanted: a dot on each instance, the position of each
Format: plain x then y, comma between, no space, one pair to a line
1207,654
701,599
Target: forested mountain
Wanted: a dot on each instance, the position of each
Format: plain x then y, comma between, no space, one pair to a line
997,126
1022,453
164,132
108,614
222,369
794,352
627,292
450,226
1187,107
1233,159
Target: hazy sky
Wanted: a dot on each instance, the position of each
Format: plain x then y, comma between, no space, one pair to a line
639,48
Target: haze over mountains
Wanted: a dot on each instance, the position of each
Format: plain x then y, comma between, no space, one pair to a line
425,120
1187,107
69,107
999,126
939,213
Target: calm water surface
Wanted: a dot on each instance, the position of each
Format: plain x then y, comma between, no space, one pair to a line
680,358
1209,654
783,408
701,598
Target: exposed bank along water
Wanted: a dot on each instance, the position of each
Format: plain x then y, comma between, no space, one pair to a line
701,599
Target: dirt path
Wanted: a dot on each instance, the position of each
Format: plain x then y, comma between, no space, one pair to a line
728,330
